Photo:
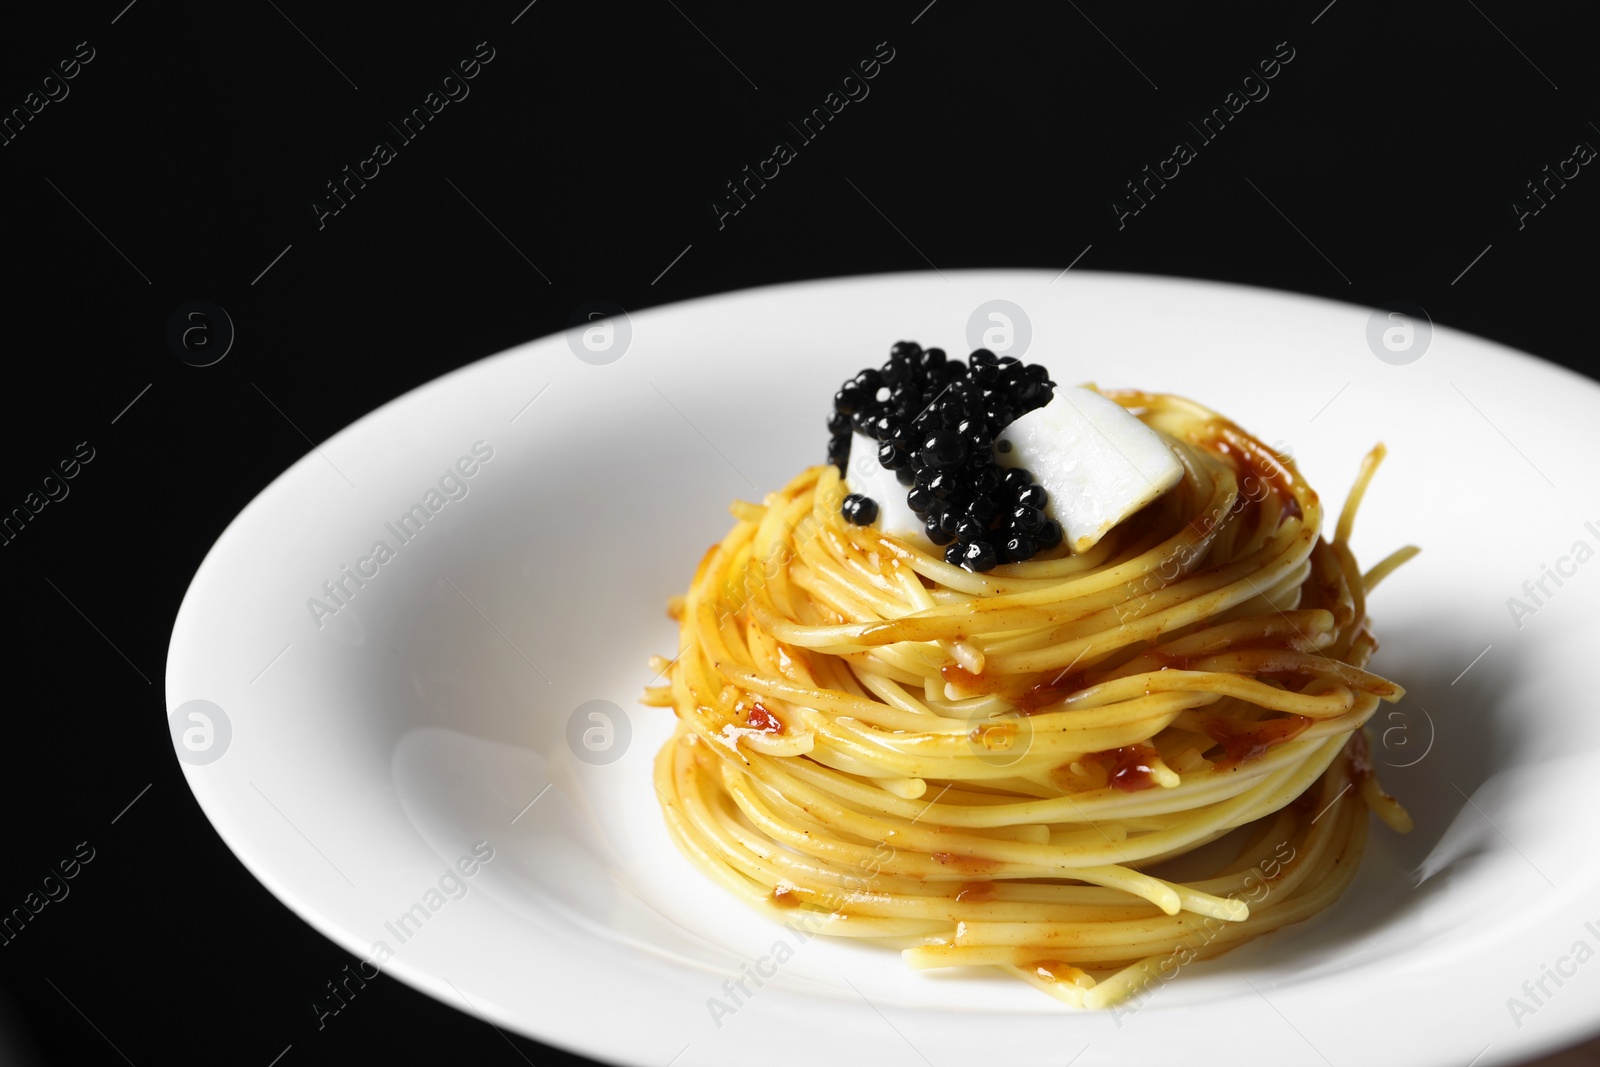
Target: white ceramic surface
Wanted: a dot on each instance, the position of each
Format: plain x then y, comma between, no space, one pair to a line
368,754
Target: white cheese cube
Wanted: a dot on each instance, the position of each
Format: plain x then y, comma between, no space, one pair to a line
1097,461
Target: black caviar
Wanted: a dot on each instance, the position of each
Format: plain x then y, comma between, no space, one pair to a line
861,510
936,420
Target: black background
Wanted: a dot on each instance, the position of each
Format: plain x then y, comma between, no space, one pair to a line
183,164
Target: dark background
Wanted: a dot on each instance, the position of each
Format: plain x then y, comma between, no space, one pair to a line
183,162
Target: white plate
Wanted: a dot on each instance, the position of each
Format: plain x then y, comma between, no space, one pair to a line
368,755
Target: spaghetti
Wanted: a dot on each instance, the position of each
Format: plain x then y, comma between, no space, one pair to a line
999,769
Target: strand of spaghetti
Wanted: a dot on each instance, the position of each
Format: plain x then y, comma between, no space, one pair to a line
1223,590
1214,677
1049,858
987,942
1330,881
1387,566
1358,491
1196,790
874,712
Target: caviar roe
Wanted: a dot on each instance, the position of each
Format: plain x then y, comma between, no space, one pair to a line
935,420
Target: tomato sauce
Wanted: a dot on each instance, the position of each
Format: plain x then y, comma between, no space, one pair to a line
1128,767
761,719
1246,741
